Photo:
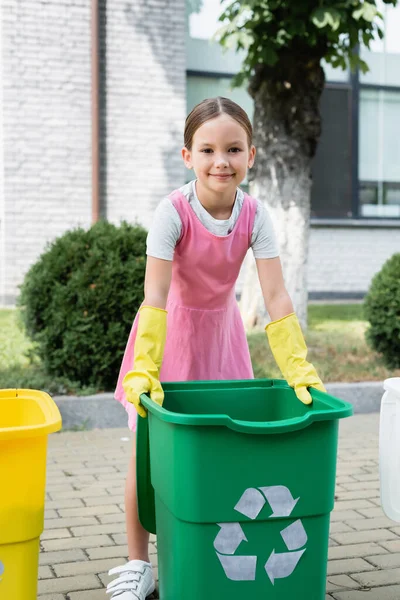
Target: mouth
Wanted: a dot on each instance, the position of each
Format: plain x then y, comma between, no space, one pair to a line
221,177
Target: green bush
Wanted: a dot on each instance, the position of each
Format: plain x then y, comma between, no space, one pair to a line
382,310
79,299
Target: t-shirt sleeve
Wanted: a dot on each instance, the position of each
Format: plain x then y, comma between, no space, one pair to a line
164,232
263,240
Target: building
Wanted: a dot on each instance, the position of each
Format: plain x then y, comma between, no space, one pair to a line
157,62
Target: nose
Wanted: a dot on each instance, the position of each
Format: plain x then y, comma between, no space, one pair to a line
221,161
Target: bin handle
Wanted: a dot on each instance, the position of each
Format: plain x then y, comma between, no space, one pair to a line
255,427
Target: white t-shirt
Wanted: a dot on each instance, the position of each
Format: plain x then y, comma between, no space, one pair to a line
166,226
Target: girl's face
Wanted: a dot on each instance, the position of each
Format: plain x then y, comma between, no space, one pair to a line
220,154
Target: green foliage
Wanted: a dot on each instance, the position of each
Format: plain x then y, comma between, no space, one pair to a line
330,29
382,309
79,299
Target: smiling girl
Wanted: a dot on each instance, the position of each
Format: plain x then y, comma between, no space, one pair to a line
189,326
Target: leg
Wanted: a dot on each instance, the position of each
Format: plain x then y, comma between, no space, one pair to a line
135,580
138,538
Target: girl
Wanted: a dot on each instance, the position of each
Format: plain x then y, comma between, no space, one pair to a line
195,248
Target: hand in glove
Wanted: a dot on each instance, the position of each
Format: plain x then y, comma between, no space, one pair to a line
290,352
148,356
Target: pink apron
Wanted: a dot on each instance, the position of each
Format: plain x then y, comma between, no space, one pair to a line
205,333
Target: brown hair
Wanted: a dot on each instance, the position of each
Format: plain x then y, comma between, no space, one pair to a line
211,108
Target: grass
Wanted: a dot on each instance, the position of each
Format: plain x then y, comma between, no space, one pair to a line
336,346
13,342
18,366
335,340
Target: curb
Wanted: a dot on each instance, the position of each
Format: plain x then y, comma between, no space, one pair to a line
101,411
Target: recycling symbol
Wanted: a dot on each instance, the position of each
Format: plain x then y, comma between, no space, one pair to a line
231,535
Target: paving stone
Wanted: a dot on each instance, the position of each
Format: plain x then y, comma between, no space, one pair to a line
100,529
68,584
99,500
362,485
91,541
367,477
344,515
73,522
339,527
371,513
69,503
369,524
340,582
391,592
118,517
50,534
356,550
120,539
83,568
385,561
86,511
66,495
338,567
89,595
391,546
353,504
357,495
49,558
357,537
109,552
45,573
374,578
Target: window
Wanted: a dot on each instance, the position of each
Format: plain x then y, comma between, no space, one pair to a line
379,153
331,169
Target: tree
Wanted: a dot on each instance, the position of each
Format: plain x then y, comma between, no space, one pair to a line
284,43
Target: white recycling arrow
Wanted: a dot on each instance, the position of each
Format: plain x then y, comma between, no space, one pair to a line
282,565
280,500
239,568
294,535
279,497
251,503
229,538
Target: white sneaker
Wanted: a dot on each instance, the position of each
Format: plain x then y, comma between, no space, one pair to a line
135,581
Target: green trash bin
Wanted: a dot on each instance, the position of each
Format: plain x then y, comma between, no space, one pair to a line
237,479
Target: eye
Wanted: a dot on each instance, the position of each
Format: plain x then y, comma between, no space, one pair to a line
206,150
235,150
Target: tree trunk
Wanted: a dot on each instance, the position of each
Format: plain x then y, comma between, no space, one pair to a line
287,126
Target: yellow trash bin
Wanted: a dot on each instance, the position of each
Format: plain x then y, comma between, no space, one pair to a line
26,419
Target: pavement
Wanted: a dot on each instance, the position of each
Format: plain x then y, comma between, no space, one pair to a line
85,536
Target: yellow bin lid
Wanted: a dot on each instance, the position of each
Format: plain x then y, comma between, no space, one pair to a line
27,413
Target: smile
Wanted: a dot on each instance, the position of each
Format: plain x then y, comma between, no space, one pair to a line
223,177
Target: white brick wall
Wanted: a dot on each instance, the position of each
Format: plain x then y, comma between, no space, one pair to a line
46,111
46,125
345,259
146,105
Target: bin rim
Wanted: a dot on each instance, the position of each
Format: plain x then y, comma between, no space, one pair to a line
50,410
339,409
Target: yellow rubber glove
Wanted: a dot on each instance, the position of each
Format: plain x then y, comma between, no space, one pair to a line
290,352
148,355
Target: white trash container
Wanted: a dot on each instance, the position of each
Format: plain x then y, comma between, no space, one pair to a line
389,449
